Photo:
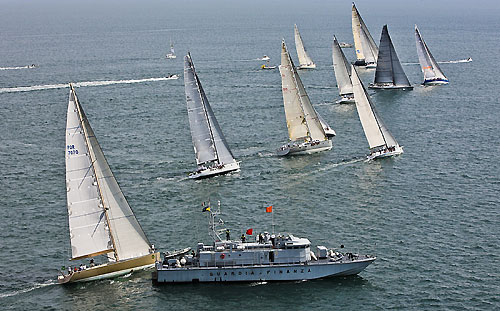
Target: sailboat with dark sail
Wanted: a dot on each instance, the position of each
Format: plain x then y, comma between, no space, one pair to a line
389,73
432,73
342,70
101,221
306,132
213,156
382,143
365,46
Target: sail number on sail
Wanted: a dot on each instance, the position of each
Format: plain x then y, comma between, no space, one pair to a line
72,149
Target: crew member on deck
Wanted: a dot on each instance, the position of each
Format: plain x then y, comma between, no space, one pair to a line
243,238
227,235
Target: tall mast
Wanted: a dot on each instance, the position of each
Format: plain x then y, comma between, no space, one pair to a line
77,104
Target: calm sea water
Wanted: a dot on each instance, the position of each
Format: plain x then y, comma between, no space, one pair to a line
431,215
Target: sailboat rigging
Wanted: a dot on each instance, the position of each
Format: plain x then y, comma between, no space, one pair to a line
212,152
100,219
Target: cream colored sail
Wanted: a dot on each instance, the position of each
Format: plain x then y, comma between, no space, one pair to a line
375,130
304,59
365,46
121,231
302,119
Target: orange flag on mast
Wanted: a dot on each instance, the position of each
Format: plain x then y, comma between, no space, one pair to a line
269,209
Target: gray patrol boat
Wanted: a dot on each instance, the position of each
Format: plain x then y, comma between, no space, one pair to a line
271,257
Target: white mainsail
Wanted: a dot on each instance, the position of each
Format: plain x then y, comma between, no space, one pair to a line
429,66
366,48
342,69
375,130
304,59
208,140
302,119
100,219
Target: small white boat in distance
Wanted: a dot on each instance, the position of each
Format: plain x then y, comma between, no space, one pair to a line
265,58
210,147
305,61
382,143
345,45
342,70
389,73
101,222
305,130
268,257
432,73
172,77
171,55
365,46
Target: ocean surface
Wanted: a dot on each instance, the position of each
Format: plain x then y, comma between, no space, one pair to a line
430,215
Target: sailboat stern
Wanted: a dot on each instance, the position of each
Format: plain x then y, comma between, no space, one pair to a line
302,148
385,152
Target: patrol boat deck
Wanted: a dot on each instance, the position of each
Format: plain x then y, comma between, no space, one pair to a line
281,257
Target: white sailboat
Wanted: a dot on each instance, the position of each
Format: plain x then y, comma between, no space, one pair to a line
171,55
342,70
389,73
305,130
210,147
365,46
382,143
432,73
305,62
100,220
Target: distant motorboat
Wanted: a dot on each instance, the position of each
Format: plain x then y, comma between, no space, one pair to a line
382,143
305,61
345,45
431,70
267,67
265,58
305,130
389,73
172,77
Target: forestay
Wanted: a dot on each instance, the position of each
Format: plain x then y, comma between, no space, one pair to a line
111,221
208,140
304,59
342,69
366,48
429,66
375,130
389,69
302,119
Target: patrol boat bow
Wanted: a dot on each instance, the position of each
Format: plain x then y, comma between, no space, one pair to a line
281,257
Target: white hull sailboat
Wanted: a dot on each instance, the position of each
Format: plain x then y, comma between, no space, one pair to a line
171,55
305,61
365,46
100,220
382,143
431,70
305,129
210,147
342,70
389,73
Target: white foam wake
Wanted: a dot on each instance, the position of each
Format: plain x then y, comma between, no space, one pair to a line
28,289
78,84
19,67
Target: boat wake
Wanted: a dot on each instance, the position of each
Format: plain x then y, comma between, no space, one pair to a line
19,67
77,84
29,289
467,60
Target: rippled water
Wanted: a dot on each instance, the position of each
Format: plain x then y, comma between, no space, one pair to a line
431,215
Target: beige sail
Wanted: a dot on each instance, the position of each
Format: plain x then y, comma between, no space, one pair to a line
305,60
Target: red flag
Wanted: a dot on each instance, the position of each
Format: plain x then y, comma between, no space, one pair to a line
269,209
250,231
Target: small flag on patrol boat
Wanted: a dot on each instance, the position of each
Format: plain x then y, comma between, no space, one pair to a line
250,231
205,208
269,209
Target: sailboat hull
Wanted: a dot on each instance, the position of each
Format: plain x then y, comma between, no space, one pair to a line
110,270
385,154
212,171
346,100
304,148
436,82
390,87
309,66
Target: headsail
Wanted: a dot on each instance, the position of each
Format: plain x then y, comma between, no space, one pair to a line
366,48
429,66
342,69
304,59
389,69
375,130
302,119
100,218
208,141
